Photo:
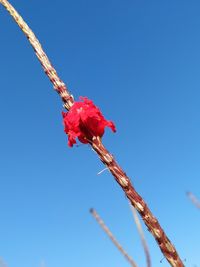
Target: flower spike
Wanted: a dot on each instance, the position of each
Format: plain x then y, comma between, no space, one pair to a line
105,156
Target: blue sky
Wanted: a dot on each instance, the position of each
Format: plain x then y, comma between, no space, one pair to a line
139,61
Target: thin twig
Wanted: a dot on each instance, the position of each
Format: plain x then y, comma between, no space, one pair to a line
105,169
194,199
142,237
105,156
112,238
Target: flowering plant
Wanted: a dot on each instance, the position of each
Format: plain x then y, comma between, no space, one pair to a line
84,121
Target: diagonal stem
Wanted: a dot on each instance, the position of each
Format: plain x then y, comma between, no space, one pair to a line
137,201
120,176
141,233
194,199
112,238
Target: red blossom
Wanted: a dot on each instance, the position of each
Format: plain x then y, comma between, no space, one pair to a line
84,120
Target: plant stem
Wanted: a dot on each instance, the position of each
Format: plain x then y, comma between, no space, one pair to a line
194,199
141,233
120,176
137,201
112,238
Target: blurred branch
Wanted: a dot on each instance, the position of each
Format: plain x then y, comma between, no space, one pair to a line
142,237
42,263
112,238
2,263
194,199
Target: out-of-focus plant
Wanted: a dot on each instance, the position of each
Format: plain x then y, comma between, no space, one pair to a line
194,199
142,237
112,237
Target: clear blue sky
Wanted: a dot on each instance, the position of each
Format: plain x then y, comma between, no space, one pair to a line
139,61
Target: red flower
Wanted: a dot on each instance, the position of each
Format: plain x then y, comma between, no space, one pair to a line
84,120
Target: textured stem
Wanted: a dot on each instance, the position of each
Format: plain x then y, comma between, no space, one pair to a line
141,233
112,238
58,84
136,200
